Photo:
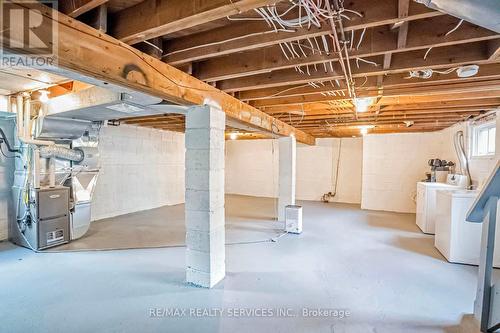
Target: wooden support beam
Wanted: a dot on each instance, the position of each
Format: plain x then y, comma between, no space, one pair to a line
86,54
254,35
384,100
153,18
75,8
443,57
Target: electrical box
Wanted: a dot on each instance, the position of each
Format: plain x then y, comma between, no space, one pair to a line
293,219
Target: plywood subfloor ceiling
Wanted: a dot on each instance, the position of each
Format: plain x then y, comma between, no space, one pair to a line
296,74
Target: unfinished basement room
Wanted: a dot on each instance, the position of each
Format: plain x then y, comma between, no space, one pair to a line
208,166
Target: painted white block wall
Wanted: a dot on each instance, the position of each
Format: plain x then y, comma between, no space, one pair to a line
252,169
141,168
392,165
317,165
480,167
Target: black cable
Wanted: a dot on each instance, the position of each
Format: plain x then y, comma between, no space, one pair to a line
3,153
4,139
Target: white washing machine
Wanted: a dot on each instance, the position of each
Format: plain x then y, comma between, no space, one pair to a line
458,240
426,200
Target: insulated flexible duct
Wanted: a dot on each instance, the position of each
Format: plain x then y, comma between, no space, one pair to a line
62,153
458,142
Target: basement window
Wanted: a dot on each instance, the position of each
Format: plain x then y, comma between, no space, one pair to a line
483,139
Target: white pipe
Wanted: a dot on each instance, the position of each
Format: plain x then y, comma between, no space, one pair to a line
52,172
27,117
36,168
20,112
23,124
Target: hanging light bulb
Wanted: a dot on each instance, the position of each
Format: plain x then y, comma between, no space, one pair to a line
364,129
233,136
44,96
362,103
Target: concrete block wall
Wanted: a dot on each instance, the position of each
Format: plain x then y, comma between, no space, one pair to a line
392,165
252,168
317,165
480,167
141,168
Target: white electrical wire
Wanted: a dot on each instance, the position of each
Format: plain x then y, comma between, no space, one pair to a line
365,61
455,28
361,38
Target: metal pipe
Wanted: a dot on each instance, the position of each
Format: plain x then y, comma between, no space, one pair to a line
458,142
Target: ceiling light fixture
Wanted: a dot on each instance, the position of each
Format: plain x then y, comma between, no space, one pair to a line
362,103
233,136
364,129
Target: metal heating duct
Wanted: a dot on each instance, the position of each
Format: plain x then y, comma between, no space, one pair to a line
484,13
458,142
62,153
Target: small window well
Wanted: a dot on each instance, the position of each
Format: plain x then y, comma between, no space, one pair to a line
483,139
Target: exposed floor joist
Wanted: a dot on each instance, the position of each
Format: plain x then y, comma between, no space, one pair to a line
75,8
89,55
152,18
305,85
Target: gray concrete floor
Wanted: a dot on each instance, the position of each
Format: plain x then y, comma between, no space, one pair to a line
165,226
376,265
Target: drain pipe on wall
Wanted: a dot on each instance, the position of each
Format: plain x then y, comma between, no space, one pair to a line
330,195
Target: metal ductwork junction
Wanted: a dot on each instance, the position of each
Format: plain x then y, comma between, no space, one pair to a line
484,13
99,104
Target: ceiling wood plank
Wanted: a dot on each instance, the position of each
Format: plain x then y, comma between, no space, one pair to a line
384,100
88,55
324,107
75,8
379,41
243,36
443,57
166,17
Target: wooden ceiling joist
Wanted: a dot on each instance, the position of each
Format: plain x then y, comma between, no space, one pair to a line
442,57
89,55
483,104
245,36
75,8
465,85
153,18
378,41
401,53
384,100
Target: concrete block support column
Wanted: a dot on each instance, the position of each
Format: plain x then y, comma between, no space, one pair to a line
205,234
286,183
